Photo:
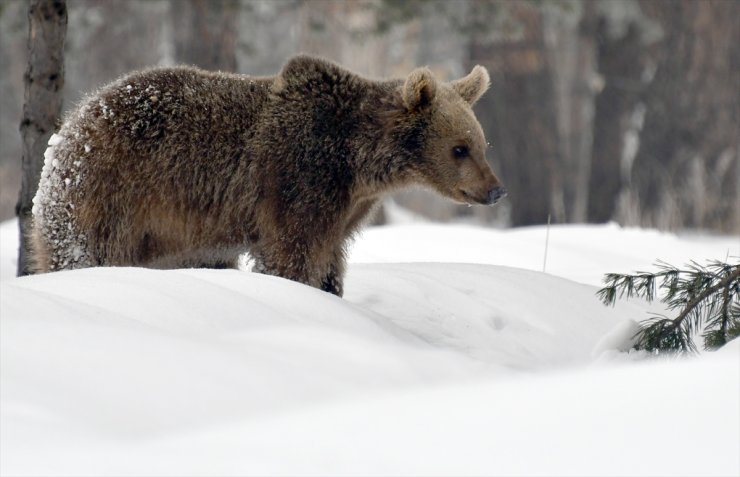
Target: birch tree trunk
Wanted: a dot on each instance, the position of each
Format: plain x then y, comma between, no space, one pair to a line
42,106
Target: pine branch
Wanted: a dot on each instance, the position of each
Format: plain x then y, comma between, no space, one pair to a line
725,308
691,305
700,294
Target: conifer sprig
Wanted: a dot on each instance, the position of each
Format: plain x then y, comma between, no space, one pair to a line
706,299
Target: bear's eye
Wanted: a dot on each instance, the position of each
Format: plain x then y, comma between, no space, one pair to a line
460,152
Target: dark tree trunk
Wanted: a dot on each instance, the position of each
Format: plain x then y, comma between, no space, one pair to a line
519,118
42,107
581,137
685,171
206,33
620,64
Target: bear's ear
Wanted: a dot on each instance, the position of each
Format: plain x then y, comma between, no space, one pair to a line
419,89
472,87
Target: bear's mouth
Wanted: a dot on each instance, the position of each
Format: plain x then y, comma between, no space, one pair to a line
470,198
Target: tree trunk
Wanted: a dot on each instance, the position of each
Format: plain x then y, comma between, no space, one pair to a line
206,33
42,107
571,50
685,168
620,64
582,116
519,116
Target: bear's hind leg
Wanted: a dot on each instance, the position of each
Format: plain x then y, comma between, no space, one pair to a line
219,261
222,264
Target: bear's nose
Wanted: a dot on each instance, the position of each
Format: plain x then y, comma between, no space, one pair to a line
496,194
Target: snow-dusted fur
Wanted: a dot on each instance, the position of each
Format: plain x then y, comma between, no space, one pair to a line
181,167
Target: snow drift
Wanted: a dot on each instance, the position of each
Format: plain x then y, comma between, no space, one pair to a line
423,368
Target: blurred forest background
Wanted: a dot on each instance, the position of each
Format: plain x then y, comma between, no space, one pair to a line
600,110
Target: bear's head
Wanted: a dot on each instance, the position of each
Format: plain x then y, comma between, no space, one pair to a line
451,155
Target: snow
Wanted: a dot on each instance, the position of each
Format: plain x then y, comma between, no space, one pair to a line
8,249
55,140
41,198
451,354
583,253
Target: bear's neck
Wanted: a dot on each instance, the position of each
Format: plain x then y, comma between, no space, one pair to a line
386,144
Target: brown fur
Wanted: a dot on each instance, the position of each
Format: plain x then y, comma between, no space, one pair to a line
180,167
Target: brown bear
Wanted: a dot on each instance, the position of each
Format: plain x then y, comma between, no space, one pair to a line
180,167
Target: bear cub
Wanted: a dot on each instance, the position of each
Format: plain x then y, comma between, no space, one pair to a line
180,167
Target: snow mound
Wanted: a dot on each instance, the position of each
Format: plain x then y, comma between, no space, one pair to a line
238,344
583,253
423,368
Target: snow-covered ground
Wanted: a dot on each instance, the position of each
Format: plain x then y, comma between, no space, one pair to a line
451,354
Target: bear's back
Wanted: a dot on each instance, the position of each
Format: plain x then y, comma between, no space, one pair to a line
171,107
153,149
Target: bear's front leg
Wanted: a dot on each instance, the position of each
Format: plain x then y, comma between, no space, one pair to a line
332,280
332,283
299,261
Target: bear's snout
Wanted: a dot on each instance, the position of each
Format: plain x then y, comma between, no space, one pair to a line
495,194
